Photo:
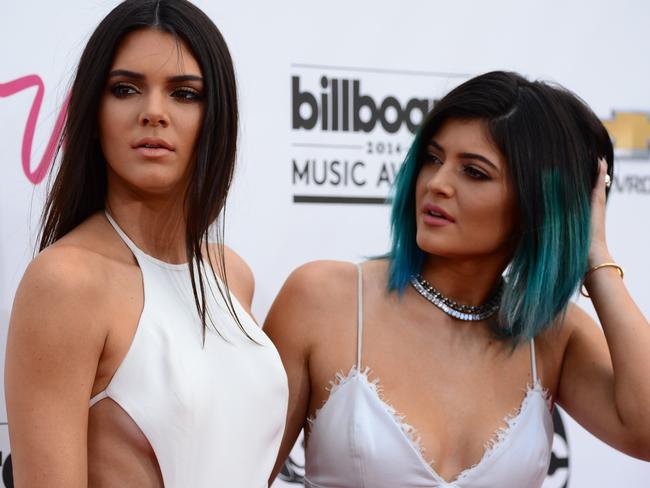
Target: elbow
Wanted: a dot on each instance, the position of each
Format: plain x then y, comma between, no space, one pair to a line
639,447
635,432
642,453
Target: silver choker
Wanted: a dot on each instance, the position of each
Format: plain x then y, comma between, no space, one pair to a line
456,310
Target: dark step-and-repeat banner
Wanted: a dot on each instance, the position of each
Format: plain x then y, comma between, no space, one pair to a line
331,93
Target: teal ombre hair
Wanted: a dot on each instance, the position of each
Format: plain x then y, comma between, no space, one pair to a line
552,142
406,258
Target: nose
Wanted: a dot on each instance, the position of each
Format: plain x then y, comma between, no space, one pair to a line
440,181
154,112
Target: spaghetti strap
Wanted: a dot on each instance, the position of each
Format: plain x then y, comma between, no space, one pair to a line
359,314
533,362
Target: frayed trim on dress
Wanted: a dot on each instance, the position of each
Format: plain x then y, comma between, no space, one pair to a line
340,379
511,420
491,446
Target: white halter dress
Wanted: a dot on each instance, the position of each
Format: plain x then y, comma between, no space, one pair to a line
213,413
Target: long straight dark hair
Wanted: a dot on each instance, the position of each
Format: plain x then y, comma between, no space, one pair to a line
79,188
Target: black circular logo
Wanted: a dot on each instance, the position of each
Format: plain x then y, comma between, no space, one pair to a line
558,469
7,473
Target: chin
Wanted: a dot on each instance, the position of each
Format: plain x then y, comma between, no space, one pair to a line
461,249
154,180
438,245
446,247
161,189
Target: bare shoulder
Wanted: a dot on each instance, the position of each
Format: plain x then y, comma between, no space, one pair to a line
576,317
582,329
319,283
241,281
57,309
557,336
68,280
576,321
62,274
313,300
240,271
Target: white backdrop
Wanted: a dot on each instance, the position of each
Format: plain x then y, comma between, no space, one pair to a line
285,52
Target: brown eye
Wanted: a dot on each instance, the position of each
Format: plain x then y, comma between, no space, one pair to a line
187,94
430,158
476,174
122,90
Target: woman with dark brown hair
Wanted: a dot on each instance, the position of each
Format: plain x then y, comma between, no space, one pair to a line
132,357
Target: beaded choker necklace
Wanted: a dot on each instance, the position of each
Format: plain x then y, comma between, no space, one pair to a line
456,310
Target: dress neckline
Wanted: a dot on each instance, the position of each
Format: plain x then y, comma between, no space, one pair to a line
409,433
139,252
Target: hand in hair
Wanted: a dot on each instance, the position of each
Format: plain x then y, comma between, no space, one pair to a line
598,251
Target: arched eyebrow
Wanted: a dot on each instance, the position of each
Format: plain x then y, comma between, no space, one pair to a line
465,155
139,76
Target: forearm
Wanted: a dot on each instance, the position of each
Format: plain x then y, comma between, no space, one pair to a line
628,337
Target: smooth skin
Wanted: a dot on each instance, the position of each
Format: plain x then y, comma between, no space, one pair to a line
416,351
78,305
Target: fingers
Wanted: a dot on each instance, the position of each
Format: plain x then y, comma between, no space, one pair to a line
598,196
603,177
603,181
598,246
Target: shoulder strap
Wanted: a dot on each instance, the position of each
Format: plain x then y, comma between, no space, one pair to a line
533,361
131,245
100,396
359,315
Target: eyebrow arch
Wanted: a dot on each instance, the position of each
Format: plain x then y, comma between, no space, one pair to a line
480,158
465,155
436,146
139,76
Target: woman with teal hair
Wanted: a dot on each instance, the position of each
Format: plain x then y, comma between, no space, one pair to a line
462,338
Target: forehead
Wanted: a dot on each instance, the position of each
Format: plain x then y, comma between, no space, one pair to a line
467,136
151,51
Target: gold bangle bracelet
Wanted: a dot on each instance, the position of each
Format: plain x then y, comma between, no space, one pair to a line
583,290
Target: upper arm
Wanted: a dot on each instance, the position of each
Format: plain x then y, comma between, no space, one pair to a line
53,347
586,388
292,325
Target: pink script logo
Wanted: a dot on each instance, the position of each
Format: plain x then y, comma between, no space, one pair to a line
15,86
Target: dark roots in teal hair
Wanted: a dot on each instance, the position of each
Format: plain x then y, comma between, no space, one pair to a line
552,142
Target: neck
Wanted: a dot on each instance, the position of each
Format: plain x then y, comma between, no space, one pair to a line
468,281
155,224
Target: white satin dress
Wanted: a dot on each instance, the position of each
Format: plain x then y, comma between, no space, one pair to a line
358,441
